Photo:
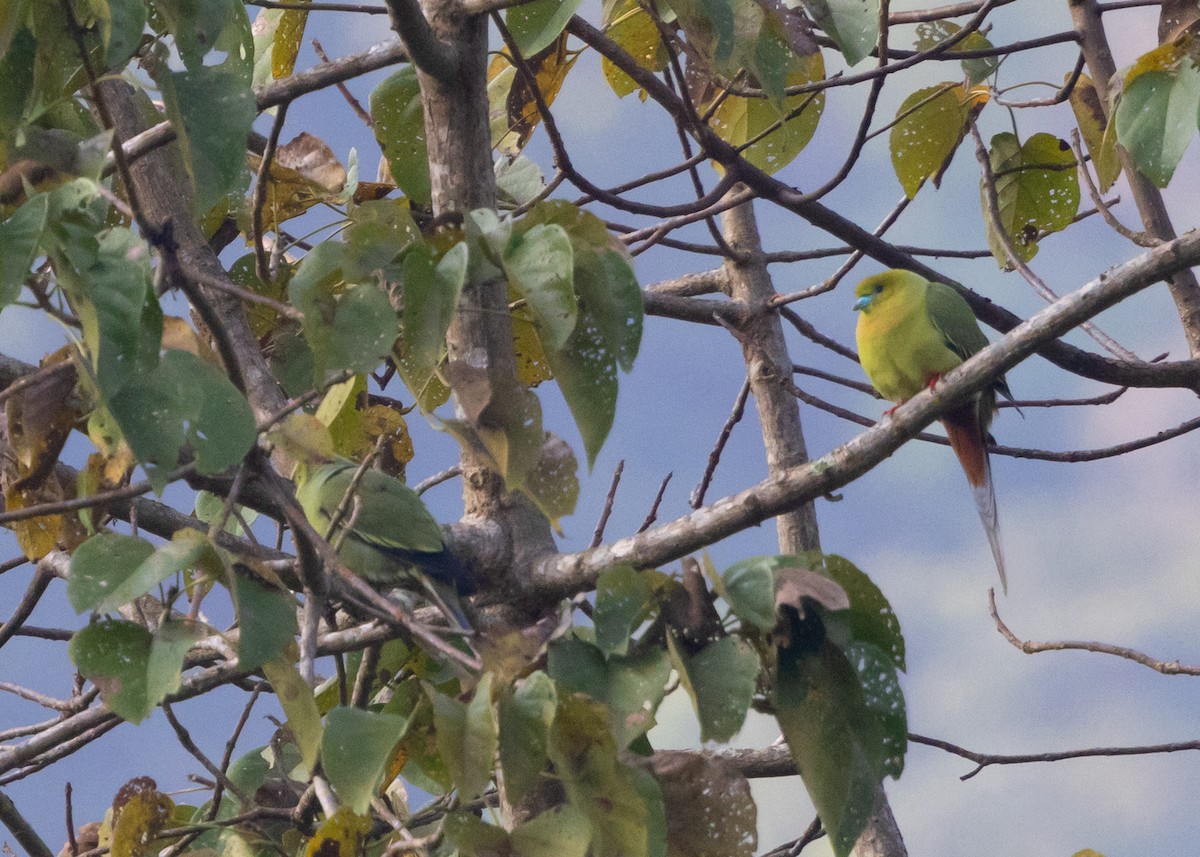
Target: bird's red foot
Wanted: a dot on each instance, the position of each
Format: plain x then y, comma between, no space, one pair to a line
933,379
892,409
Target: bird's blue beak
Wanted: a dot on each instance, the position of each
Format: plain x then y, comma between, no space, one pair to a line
863,302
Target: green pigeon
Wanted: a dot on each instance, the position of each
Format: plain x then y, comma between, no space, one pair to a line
912,331
392,537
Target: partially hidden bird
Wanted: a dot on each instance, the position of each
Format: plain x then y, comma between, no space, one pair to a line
912,331
392,538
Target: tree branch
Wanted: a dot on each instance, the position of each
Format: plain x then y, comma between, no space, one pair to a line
1030,648
564,575
430,54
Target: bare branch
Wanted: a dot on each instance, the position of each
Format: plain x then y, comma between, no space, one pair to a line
984,760
1031,648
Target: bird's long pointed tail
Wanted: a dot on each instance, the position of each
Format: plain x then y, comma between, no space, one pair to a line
969,443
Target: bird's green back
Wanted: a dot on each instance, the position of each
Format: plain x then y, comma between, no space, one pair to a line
390,515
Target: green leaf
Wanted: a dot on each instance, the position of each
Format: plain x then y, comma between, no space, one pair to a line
184,551
296,699
852,24
128,22
836,742
540,266
553,483
20,236
559,832
346,328
604,790
467,737
474,837
16,67
631,687
741,120
355,751
624,598
400,131
212,109
749,587
535,25
1098,133
208,508
525,714
266,621
102,565
168,648
930,34
636,685
884,699
519,180
200,26
1037,188
930,125
114,656
587,376
431,292
108,276
870,617
1157,113
612,300
721,679
184,400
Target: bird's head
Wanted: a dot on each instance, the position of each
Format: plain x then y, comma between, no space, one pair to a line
890,287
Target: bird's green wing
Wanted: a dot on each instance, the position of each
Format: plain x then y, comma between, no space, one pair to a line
390,516
954,319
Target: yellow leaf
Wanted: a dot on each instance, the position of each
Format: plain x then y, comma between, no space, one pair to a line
296,699
287,41
40,418
384,421
181,336
513,108
35,536
1098,134
532,366
635,31
340,835
739,120
303,437
139,812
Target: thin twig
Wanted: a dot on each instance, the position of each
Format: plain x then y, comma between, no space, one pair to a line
696,500
1031,648
185,740
262,266
652,515
598,533
1142,239
437,479
983,760
354,103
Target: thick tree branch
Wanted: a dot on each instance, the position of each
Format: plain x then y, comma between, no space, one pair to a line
566,574
433,55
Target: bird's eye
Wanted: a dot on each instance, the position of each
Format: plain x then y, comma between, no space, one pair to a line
878,288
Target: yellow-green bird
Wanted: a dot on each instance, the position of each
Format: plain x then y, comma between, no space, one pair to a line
392,536
912,331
